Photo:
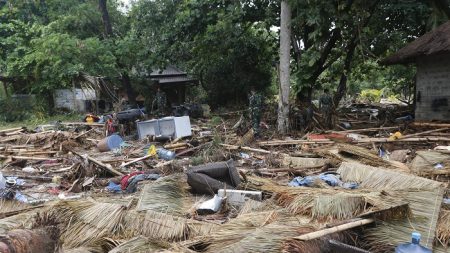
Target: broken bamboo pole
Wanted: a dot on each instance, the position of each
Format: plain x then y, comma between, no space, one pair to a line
366,130
175,145
294,142
107,167
383,140
426,132
235,147
135,160
83,124
426,124
327,231
11,130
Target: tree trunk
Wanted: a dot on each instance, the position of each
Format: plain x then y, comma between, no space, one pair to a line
105,17
126,84
285,48
342,87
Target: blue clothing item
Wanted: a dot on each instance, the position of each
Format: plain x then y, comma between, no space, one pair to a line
132,185
112,187
330,179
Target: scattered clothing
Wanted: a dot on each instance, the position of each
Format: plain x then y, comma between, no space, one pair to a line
128,183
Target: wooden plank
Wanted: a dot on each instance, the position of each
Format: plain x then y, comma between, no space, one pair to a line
28,158
386,140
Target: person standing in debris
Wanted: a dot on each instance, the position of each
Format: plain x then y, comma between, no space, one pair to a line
326,107
160,101
255,108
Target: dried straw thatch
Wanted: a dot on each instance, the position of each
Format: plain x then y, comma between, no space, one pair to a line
139,244
443,228
433,42
160,226
166,196
251,206
313,246
17,221
87,222
423,195
362,154
331,204
383,179
263,184
233,231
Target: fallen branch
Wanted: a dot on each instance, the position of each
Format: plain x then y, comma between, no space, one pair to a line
15,212
193,149
78,136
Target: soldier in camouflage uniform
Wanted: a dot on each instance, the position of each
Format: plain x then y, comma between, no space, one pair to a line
326,106
255,108
160,101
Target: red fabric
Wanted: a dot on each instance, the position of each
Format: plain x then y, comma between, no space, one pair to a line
125,179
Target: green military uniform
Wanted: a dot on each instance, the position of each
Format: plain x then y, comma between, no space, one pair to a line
255,107
326,104
160,100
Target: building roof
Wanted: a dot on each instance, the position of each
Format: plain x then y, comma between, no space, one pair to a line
171,75
433,42
168,71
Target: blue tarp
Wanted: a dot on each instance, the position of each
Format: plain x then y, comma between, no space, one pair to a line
330,179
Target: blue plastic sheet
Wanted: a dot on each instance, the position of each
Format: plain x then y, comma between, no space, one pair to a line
330,179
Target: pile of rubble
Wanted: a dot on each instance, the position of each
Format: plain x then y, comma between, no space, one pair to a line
73,189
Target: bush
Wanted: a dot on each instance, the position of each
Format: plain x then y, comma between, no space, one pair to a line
371,95
13,110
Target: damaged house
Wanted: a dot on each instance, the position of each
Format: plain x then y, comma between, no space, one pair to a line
431,54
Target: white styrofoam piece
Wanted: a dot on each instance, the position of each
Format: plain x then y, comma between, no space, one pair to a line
211,205
238,197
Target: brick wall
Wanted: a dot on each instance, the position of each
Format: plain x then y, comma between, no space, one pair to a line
433,88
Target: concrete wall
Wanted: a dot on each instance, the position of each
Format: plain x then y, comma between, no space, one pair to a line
433,88
74,100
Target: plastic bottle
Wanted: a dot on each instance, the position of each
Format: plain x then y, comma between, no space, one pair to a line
413,246
165,154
